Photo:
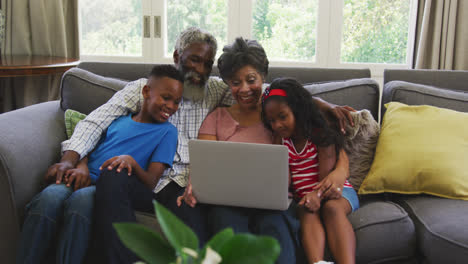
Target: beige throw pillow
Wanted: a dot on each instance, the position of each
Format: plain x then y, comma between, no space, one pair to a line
360,143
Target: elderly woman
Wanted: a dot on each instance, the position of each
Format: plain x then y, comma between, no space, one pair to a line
244,66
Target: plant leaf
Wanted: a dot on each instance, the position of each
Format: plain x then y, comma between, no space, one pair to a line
178,234
145,243
218,240
250,249
211,257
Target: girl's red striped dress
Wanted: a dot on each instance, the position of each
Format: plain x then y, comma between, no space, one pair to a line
304,167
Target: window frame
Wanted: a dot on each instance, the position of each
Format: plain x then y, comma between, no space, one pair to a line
328,49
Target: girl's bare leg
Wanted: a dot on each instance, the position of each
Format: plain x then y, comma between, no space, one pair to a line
340,233
313,235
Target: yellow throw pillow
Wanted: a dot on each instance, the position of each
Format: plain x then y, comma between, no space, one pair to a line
421,149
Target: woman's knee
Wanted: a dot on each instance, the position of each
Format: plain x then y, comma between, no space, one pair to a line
226,216
271,218
226,212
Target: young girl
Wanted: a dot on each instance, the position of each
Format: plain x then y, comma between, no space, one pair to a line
324,196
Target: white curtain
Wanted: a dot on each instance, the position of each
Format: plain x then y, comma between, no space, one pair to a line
37,27
442,35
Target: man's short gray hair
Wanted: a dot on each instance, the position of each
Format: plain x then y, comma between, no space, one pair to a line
195,35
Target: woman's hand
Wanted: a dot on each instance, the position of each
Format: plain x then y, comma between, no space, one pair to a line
187,197
79,176
342,114
311,201
332,185
121,162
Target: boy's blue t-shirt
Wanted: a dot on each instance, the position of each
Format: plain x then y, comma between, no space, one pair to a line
155,142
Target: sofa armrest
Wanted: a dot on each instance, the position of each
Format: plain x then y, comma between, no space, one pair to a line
29,143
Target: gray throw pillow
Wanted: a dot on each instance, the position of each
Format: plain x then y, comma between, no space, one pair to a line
360,143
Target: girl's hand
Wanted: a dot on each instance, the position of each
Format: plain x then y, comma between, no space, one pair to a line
311,201
187,197
332,185
79,176
121,162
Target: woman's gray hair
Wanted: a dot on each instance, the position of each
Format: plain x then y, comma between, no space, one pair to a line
195,35
241,53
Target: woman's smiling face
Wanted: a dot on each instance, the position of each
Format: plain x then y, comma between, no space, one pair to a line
246,86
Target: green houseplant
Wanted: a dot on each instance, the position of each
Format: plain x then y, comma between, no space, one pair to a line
182,243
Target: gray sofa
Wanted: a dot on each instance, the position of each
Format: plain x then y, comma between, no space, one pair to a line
440,224
389,229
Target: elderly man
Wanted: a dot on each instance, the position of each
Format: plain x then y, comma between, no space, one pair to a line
194,55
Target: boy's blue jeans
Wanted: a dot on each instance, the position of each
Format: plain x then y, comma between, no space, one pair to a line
57,214
118,196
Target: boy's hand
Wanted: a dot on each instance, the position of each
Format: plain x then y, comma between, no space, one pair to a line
331,186
311,201
121,162
79,176
187,197
57,171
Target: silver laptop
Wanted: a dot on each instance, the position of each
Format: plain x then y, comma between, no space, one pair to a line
239,174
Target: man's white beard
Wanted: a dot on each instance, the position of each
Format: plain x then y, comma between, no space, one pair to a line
193,92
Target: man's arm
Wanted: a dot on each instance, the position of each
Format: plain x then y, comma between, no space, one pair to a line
88,131
340,113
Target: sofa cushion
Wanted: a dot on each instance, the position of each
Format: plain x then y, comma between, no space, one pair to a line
421,149
384,233
441,227
72,118
357,93
360,142
419,94
85,91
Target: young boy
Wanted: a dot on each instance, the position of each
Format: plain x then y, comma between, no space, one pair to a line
140,145
125,185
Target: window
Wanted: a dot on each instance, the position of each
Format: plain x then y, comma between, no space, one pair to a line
320,33
375,31
210,15
286,29
115,30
